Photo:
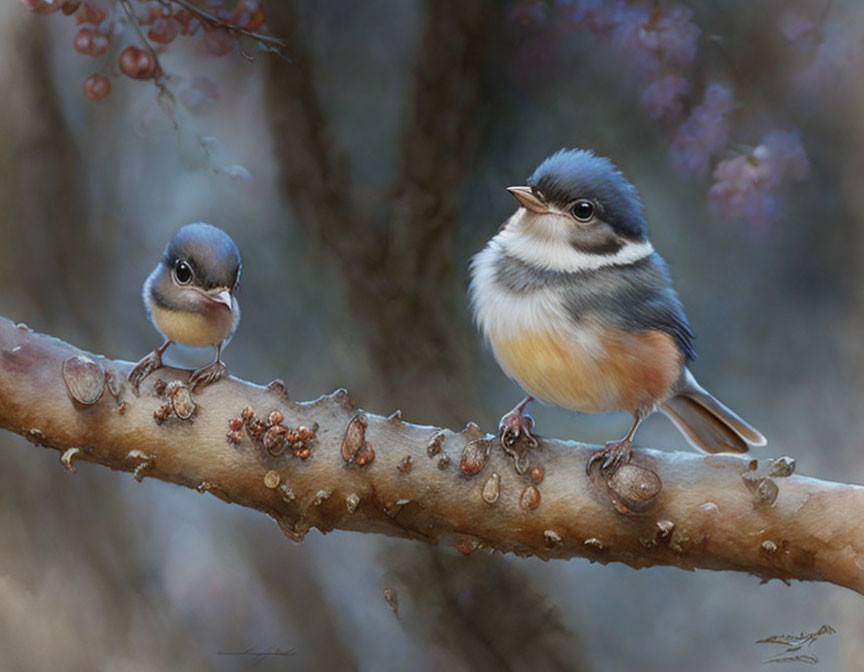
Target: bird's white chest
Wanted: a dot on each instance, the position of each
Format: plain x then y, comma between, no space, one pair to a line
502,313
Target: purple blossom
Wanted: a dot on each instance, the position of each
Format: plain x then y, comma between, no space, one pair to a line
527,13
650,39
675,35
783,151
705,132
655,47
662,97
581,10
643,37
630,38
200,96
740,189
793,25
837,50
599,16
748,186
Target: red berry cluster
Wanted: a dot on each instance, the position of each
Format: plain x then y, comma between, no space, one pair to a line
160,23
271,433
50,6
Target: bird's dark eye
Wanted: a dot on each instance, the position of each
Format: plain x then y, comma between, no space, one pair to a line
583,210
183,272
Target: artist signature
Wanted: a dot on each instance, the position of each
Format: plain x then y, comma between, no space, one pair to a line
259,653
796,646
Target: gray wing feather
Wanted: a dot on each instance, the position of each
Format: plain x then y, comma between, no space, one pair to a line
636,297
633,297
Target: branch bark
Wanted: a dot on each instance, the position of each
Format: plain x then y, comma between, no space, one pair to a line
368,473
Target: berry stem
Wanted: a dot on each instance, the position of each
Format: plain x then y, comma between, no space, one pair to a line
275,45
166,98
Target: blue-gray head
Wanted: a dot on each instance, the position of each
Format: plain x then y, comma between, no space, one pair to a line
202,255
199,273
583,200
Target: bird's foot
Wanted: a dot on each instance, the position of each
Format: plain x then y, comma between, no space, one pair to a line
207,375
144,368
612,456
514,426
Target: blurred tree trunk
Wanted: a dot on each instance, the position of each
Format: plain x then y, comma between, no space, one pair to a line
42,194
398,273
852,178
403,288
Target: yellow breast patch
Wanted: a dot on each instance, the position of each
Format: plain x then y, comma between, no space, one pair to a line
188,328
597,371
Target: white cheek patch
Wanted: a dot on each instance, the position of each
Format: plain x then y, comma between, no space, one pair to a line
555,255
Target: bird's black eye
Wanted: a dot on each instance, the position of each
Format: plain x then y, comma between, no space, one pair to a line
583,210
183,272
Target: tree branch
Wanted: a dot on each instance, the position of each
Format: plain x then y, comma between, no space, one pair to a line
368,473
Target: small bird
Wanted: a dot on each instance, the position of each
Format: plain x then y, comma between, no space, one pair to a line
579,309
190,299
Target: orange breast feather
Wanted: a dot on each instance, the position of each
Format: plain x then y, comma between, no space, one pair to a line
601,370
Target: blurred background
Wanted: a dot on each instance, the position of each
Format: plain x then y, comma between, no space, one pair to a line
358,178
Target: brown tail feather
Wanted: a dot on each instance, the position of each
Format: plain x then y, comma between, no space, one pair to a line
703,427
731,419
710,426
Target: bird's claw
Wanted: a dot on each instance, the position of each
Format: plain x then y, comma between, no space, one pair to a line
514,426
207,375
612,456
144,368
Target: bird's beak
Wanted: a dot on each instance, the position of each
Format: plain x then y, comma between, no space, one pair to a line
528,200
222,296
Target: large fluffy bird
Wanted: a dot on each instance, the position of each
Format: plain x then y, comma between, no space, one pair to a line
579,309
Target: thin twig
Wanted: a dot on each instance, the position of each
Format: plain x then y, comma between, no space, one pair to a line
275,45
166,99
